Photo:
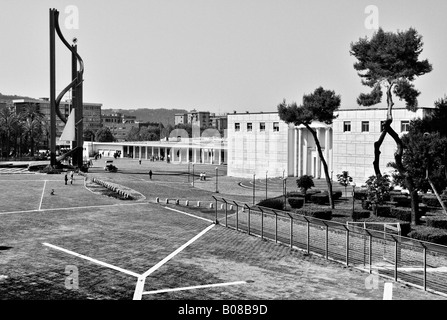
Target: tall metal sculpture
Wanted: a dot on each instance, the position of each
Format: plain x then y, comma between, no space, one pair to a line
75,86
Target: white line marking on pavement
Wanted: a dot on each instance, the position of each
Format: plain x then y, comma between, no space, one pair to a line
189,214
196,287
140,283
74,208
41,198
92,260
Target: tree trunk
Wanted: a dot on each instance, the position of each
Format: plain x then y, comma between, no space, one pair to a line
323,161
414,207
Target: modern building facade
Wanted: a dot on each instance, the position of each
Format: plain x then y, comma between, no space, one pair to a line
200,118
119,124
262,144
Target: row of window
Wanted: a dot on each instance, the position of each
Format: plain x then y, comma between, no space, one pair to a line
404,126
237,126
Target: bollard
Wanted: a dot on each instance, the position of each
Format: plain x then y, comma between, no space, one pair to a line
198,203
231,207
157,200
211,205
167,200
177,202
243,209
187,203
221,206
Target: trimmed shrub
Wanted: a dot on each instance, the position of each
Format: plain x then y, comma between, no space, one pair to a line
395,193
324,214
423,208
294,194
383,211
430,234
273,203
320,198
403,214
402,201
335,194
436,222
366,205
361,214
390,203
296,202
310,193
432,201
360,194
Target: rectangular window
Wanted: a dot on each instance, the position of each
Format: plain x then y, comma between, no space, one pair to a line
404,126
346,126
249,126
262,126
275,126
365,126
237,126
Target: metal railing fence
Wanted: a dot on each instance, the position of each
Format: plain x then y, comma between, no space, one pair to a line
415,262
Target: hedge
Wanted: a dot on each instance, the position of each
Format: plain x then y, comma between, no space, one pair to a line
310,193
383,211
273,203
361,214
360,194
403,214
296,202
402,201
436,222
432,201
430,234
335,194
366,205
325,214
294,194
320,199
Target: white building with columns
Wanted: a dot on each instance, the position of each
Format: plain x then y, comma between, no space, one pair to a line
261,143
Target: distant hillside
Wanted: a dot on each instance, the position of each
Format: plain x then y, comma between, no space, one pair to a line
8,98
165,116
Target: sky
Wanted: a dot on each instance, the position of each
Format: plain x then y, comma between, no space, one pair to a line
211,55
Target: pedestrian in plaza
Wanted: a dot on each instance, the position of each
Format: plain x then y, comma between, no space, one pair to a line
150,174
66,177
71,177
139,160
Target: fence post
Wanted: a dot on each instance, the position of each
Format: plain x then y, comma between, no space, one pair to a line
237,218
291,232
216,222
370,253
347,247
308,237
226,214
425,268
249,211
276,226
262,225
395,259
327,241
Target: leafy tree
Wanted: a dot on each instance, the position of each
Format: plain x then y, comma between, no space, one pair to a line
32,126
104,135
305,183
377,190
133,134
9,122
390,61
424,163
317,106
344,179
89,135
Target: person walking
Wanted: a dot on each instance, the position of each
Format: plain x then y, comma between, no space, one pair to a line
150,174
139,160
71,177
66,177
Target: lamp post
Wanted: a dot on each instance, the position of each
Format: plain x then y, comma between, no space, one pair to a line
193,174
266,183
285,193
217,173
188,172
254,175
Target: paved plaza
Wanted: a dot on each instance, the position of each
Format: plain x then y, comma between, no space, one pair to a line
70,241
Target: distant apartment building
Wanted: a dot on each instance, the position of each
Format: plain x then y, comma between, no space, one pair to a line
200,118
91,112
119,124
2,105
220,122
